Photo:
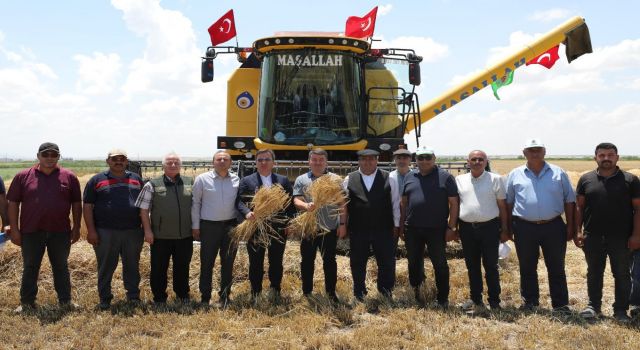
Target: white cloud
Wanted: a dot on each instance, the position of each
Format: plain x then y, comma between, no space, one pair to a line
168,65
97,74
384,9
550,15
429,49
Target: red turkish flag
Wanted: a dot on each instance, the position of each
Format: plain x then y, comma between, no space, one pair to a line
547,58
223,29
361,27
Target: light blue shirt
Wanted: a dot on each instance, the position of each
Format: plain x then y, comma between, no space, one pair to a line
539,197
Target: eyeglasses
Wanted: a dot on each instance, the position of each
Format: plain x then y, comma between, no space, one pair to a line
118,159
49,154
264,160
425,157
476,159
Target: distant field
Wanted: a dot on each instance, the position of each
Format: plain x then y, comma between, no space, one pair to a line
80,167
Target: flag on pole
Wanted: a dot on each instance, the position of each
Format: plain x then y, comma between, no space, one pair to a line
223,29
577,42
361,27
547,58
504,81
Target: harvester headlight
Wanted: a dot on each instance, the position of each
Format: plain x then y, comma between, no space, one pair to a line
291,41
239,144
330,41
277,41
266,42
385,146
344,42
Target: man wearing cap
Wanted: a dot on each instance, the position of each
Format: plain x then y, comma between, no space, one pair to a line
537,195
483,216
608,205
213,215
41,198
402,160
373,214
113,225
165,210
429,199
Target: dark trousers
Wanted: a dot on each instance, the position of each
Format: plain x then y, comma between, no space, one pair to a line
596,249
214,240
415,240
384,249
635,278
480,244
180,251
326,244
256,262
126,244
552,238
57,245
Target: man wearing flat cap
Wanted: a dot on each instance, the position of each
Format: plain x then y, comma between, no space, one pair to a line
40,199
113,225
537,195
429,208
373,216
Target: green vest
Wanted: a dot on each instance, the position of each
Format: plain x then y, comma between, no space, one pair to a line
171,208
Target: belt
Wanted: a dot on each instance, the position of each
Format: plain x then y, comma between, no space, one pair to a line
223,222
538,222
478,224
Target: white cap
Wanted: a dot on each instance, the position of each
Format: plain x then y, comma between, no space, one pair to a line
534,142
425,150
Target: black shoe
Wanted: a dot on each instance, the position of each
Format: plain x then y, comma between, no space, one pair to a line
333,297
104,305
495,306
25,308
420,298
528,307
634,311
444,305
275,296
562,310
621,316
254,298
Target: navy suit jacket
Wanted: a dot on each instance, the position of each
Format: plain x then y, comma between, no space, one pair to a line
248,187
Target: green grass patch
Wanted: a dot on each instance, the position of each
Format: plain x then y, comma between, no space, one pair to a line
80,167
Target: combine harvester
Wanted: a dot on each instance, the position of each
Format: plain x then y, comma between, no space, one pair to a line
296,91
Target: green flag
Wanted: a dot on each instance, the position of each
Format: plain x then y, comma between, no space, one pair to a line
504,81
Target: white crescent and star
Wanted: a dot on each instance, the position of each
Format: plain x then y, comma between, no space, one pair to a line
365,25
228,21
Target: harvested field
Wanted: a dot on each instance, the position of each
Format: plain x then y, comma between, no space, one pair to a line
298,323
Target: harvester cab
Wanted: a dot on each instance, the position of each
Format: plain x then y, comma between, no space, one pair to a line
296,91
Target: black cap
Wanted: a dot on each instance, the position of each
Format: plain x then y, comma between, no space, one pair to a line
368,152
402,152
48,146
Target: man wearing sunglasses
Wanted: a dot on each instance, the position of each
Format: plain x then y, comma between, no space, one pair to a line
429,198
537,195
41,197
249,185
483,216
373,220
114,226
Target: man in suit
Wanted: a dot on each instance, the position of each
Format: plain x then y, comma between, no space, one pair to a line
373,222
249,185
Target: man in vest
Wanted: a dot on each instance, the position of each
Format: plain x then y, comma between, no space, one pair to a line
113,226
373,216
165,209
249,185
430,197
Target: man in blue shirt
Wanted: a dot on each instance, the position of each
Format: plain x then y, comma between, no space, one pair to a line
537,195
113,226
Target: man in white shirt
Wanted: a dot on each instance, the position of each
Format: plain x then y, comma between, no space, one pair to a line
483,216
213,215
373,222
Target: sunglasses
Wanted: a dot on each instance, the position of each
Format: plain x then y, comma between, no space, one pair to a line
476,159
425,157
264,160
49,154
118,159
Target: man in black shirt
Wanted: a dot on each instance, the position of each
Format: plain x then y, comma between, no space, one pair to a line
606,200
430,197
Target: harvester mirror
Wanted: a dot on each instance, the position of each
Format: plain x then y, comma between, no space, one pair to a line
414,68
206,73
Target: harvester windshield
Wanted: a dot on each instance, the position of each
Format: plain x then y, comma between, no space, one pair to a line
310,96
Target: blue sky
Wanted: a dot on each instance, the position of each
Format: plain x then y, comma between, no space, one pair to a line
93,75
